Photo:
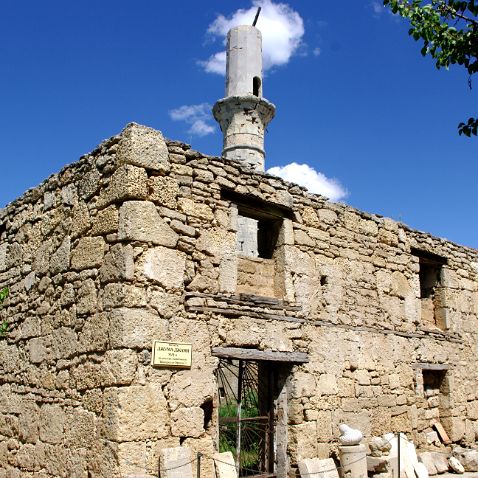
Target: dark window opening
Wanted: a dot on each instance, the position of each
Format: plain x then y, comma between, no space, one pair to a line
436,392
257,237
247,416
258,227
256,86
430,287
207,408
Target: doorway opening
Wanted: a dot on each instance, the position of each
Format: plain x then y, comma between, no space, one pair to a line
247,419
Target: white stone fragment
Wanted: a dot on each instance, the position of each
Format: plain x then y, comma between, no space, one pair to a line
349,436
321,468
175,462
225,465
455,465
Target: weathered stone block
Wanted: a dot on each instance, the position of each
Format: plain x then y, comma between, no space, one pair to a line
3,256
29,458
123,295
122,365
29,422
38,349
64,343
132,459
60,259
327,384
144,147
80,220
134,328
127,182
163,190
225,465
136,413
140,221
324,426
303,385
175,463
79,428
94,334
165,266
315,467
195,209
105,222
427,459
52,423
303,441
440,461
187,422
467,457
191,388
87,298
118,264
89,184
88,253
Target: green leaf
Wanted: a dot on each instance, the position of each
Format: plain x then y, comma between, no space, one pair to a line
3,294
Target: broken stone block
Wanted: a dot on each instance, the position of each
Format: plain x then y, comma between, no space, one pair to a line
225,465
432,438
140,221
427,459
441,462
407,455
175,462
379,446
455,465
378,464
468,458
314,466
420,470
187,422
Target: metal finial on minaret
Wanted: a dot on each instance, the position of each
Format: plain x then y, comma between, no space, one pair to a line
244,114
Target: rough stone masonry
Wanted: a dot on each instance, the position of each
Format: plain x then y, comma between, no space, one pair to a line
366,321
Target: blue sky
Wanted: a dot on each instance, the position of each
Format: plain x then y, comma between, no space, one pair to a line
355,99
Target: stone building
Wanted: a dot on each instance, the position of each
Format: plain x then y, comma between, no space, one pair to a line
314,313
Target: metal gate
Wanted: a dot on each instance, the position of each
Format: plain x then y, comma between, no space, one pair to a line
246,415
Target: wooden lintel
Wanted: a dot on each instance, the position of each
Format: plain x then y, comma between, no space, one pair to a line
264,355
431,366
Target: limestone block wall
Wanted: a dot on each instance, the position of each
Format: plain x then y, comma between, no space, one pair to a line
137,241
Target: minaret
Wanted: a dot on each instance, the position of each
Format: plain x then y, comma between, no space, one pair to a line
244,114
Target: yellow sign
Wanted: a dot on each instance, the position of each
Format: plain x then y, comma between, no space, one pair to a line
171,354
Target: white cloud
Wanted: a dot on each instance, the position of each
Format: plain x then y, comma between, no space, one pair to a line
197,116
377,8
282,30
317,51
216,63
313,180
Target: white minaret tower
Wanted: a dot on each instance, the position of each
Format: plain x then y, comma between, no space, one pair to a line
244,114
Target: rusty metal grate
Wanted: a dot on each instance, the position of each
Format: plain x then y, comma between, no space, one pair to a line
246,415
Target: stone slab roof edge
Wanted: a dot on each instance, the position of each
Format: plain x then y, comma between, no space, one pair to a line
31,194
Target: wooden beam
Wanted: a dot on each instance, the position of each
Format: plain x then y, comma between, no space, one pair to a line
263,355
